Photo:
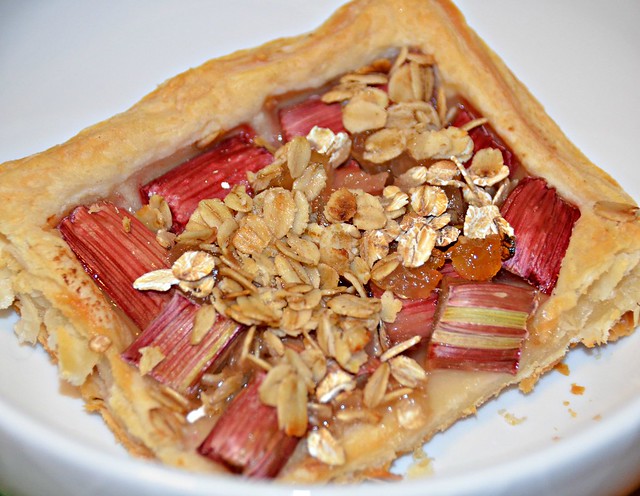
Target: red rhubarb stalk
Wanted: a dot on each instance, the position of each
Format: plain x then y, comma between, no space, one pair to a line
246,437
115,255
298,119
351,176
184,363
415,319
481,326
207,176
542,222
484,136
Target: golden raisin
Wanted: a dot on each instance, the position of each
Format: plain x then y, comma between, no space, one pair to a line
416,282
477,259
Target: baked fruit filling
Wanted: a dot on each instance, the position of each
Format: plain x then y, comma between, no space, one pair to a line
290,282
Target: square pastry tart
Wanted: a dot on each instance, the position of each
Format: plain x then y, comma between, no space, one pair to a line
287,264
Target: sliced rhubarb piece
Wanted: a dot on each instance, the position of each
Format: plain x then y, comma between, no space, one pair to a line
368,367
449,272
210,175
115,249
542,222
481,326
484,136
298,119
246,437
351,176
415,319
184,363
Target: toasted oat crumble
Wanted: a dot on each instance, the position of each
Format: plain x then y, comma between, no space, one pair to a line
298,276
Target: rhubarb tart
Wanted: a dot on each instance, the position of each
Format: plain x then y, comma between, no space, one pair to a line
287,264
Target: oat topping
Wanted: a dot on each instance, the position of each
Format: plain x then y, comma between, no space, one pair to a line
333,384
151,356
205,317
441,144
385,145
341,206
238,199
325,448
429,201
193,265
415,244
369,213
487,167
336,146
480,221
156,214
295,258
158,280
407,371
362,114
166,239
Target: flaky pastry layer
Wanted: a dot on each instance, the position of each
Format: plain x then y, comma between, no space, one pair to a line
598,285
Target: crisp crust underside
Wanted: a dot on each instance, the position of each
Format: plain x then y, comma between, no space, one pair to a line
599,281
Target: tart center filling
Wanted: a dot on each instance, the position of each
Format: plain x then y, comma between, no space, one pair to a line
287,292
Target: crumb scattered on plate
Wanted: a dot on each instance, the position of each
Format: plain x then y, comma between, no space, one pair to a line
421,465
576,389
563,368
511,418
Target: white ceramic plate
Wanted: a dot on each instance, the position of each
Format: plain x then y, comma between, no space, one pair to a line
65,65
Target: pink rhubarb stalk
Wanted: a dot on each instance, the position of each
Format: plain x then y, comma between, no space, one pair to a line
542,222
184,363
246,437
484,136
351,176
115,255
298,119
415,319
210,175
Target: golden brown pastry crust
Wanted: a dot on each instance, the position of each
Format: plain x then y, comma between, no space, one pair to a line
599,281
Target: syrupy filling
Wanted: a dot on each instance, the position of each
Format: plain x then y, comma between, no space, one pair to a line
287,285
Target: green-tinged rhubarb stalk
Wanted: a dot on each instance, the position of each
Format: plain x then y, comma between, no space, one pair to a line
481,326
247,438
182,362
115,249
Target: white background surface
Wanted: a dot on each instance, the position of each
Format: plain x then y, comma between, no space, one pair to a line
65,65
